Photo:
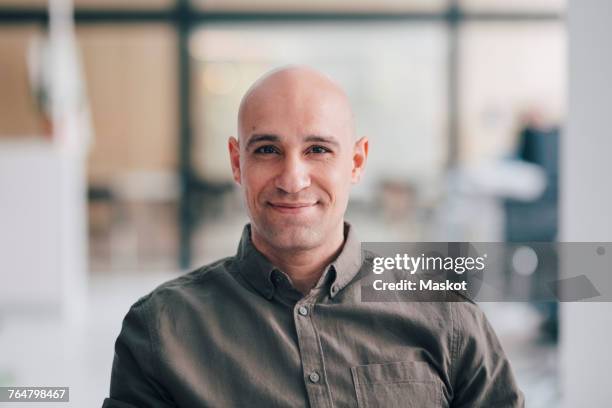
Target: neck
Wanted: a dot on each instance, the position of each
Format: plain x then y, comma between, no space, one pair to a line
304,267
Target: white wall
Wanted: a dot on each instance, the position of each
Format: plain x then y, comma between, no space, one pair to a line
586,329
29,232
43,241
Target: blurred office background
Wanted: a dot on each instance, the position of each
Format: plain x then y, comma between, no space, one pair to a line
114,174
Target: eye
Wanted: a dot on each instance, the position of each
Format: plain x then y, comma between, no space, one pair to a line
318,150
266,149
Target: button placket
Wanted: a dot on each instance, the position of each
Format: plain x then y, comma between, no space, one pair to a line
312,360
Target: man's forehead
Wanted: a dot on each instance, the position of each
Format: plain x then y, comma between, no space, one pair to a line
294,93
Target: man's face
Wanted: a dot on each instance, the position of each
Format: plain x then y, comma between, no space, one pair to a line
296,159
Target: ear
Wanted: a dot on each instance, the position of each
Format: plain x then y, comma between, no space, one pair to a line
234,152
360,156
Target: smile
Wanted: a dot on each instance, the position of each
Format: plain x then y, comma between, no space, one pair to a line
292,208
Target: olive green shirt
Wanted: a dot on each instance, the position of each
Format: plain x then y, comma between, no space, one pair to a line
237,334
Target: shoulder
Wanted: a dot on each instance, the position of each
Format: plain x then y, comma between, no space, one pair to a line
464,310
466,316
200,282
472,334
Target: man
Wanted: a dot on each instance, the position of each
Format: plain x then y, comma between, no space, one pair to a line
281,323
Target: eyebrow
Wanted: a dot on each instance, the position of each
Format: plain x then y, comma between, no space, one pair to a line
322,139
256,138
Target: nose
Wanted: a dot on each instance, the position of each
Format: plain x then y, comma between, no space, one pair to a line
294,175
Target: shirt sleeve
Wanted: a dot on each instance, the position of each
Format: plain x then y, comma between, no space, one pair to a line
132,382
482,373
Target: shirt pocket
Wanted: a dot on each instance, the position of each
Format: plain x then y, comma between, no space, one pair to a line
406,384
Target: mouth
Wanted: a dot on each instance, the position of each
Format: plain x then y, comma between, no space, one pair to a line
292,208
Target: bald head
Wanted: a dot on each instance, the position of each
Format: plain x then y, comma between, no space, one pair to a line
296,160
298,94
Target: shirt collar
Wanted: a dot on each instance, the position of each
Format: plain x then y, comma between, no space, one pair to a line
258,271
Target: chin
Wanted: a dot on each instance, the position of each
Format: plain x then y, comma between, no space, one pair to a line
294,237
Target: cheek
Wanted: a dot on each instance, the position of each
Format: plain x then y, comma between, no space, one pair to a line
335,181
255,178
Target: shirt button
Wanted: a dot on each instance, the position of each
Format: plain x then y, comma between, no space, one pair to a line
334,290
314,377
303,310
